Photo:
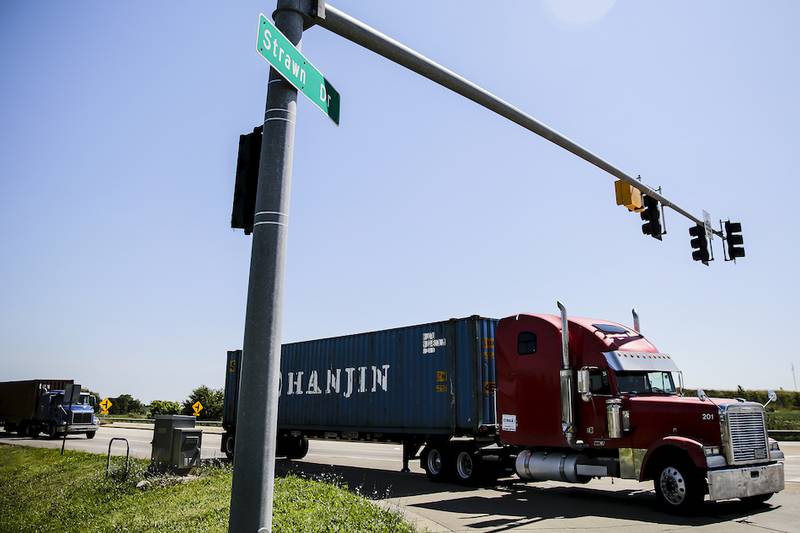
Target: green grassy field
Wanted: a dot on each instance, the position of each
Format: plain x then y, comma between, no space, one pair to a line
42,491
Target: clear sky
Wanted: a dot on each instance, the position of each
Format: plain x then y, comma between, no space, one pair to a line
120,125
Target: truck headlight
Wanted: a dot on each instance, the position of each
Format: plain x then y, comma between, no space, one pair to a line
773,445
710,450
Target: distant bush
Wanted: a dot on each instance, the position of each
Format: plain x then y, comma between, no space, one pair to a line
786,399
164,407
125,404
212,400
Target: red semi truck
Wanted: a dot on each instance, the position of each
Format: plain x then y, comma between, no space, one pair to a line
544,396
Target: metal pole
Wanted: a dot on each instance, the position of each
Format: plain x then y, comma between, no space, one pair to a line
362,34
256,421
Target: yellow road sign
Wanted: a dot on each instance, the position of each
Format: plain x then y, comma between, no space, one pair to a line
197,408
105,405
103,412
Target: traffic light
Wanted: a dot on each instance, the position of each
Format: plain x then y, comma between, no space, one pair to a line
628,195
652,218
244,191
734,240
700,244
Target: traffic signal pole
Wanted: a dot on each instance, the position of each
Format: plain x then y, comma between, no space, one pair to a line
361,34
256,421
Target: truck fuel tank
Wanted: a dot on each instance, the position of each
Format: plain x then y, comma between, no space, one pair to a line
555,466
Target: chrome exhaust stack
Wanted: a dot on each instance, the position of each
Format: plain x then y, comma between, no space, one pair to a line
567,385
636,321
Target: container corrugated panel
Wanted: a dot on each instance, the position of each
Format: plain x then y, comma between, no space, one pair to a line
435,378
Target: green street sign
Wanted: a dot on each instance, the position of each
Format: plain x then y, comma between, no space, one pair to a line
279,52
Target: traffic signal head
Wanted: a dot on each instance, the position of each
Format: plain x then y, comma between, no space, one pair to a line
734,240
244,192
628,195
652,218
700,244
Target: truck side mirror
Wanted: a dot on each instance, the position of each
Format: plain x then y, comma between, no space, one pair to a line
771,397
584,384
702,395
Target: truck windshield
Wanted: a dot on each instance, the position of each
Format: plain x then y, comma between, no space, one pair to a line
87,399
655,382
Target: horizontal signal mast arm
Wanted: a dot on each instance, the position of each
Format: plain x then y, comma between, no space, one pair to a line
360,33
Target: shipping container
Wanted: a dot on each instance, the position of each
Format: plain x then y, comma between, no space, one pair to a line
428,379
21,399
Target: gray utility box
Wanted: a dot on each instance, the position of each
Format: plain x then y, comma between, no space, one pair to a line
176,443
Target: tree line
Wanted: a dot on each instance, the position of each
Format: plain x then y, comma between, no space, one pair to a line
127,405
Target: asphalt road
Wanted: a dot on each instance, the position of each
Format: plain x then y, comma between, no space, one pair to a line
600,505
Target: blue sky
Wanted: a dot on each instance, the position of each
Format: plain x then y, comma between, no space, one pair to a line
121,122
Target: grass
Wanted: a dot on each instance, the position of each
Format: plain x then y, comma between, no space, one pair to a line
42,491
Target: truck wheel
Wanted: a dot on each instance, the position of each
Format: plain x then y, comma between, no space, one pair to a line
90,434
467,467
757,500
22,430
229,447
435,460
298,449
52,431
680,487
34,430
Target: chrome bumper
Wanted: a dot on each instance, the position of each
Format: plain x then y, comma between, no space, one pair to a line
81,428
745,481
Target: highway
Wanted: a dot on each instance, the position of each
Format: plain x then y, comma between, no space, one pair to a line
600,505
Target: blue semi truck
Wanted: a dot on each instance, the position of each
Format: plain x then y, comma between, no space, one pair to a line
32,407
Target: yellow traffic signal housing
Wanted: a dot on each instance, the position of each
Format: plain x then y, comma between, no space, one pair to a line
629,196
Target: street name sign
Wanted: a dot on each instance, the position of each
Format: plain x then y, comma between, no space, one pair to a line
197,407
285,58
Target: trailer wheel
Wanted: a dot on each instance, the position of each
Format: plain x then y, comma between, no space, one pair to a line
435,461
90,434
230,445
680,486
34,430
298,448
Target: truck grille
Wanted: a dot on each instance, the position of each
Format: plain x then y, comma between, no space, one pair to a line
81,418
747,435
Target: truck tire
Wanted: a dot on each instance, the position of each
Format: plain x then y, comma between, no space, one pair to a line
230,444
34,430
52,431
90,434
467,467
298,448
680,486
435,460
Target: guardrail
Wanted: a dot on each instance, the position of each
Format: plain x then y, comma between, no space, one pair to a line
152,420
776,433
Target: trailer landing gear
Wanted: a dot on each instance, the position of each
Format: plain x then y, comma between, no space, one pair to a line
410,449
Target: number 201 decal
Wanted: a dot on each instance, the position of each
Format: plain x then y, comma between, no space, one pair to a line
708,416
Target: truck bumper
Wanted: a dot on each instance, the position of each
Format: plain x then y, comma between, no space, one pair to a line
746,481
81,428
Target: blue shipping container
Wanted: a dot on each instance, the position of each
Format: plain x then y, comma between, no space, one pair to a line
436,378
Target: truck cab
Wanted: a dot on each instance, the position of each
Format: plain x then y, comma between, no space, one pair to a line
583,398
70,418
